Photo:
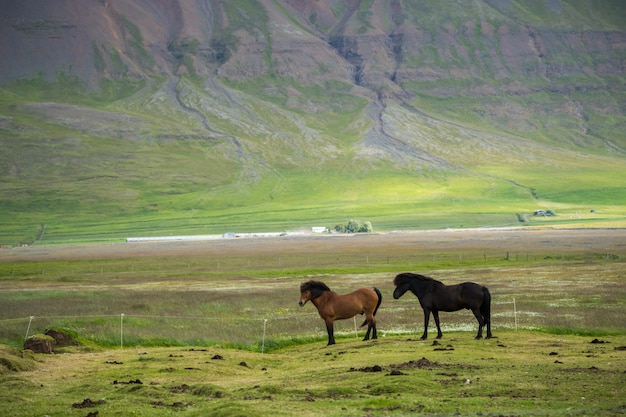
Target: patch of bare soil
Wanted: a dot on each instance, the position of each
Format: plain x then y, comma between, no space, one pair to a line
418,364
88,403
431,241
396,369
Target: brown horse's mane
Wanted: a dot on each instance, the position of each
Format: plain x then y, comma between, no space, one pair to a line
314,285
409,276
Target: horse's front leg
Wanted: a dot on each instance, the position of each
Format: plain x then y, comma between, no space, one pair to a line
331,333
426,320
436,317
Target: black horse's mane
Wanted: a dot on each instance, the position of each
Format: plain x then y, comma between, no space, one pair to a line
314,285
409,276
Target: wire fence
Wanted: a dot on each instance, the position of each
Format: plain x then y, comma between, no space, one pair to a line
258,328
256,333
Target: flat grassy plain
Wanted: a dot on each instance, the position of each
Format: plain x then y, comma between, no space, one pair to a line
213,327
520,373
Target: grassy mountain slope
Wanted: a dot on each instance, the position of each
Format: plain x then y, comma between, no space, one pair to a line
280,115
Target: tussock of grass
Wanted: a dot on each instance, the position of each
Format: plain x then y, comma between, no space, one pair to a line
15,360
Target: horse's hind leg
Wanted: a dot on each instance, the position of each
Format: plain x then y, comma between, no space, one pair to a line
481,323
371,329
488,324
486,314
367,334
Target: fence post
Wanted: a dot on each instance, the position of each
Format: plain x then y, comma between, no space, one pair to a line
122,331
515,313
28,328
263,340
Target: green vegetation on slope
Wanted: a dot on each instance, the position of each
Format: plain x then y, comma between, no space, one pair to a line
87,174
472,142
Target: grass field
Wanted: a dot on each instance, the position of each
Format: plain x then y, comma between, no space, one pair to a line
523,373
213,327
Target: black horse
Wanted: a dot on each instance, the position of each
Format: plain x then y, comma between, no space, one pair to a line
434,296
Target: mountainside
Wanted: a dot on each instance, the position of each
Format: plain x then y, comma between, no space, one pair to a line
201,116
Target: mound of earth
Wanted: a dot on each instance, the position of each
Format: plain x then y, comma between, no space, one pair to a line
15,360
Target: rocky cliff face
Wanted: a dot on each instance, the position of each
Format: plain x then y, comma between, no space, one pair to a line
428,57
378,45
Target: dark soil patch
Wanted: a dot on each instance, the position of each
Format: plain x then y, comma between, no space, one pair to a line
179,389
88,403
136,381
395,372
396,369
418,364
375,368
176,404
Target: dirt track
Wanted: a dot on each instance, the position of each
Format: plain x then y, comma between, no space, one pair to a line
436,241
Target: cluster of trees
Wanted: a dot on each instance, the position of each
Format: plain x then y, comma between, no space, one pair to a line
353,226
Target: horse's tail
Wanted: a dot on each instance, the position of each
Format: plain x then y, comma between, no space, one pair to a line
380,300
485,308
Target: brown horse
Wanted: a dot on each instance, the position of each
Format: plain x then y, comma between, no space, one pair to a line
434,296
332,306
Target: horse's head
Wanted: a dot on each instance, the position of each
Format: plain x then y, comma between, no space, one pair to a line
415,282
402,283
310,290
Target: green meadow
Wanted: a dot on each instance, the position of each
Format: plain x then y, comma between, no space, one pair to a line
215,328
123,161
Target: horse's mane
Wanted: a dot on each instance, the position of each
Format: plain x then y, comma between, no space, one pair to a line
314,285
408,277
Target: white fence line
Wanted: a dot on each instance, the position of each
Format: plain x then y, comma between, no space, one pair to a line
124,326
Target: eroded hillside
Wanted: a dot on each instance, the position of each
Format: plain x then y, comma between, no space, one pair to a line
246,103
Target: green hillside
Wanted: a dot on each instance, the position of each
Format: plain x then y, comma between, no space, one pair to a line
283,116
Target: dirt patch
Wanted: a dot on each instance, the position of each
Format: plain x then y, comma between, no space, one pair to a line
418,364
88,403
375,368
396,369
135,381
539,241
